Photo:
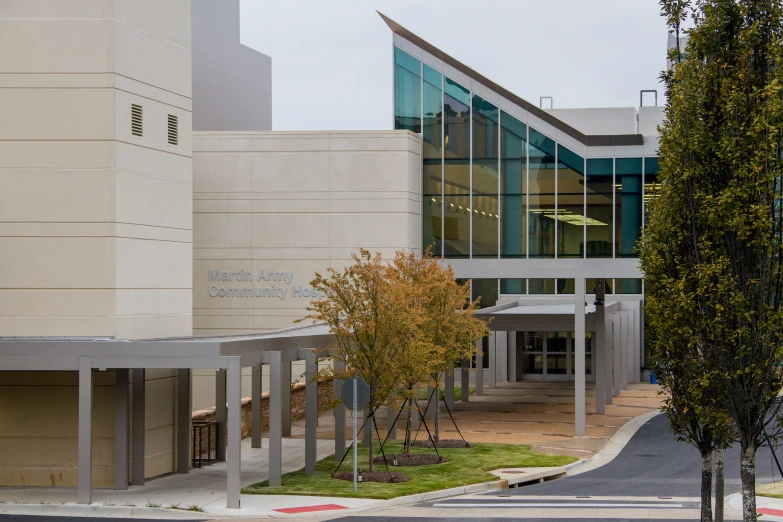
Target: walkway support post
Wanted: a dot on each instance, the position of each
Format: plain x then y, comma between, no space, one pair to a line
493,360
84,493
448,393
339,414
184,415
221,415
311,410
511,356
234,453
286,397
480,368
609,358
257,422
121,384
276,384
617,349
627,359
138,429
599,347
579,355
465,381
391,423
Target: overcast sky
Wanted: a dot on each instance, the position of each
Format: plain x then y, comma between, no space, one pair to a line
331,59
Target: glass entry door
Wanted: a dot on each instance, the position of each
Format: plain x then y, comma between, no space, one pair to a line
550,356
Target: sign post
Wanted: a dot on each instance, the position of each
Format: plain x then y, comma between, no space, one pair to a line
355,395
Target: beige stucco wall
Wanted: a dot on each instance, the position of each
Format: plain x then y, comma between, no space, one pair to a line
293,202
95,224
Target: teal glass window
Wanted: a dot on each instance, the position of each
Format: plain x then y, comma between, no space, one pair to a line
541,286
570,203
487,290
600,179
456,169
513,286
629,286
513,187
432,150
407,91
485,178
628,205
541,198
651,185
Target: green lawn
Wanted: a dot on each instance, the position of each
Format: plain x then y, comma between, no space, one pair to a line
457,393
465,466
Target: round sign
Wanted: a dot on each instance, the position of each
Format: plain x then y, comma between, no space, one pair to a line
362,393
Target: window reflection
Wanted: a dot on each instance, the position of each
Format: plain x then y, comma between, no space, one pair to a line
432,233
600,174
485,178
628,205
541,185
513,174
570,203
456,143
407,91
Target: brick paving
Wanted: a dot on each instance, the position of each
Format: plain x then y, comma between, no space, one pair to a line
540,414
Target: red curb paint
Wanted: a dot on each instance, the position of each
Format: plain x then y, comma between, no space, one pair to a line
769,511
309,509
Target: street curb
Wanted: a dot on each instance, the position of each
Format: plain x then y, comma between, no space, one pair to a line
76,510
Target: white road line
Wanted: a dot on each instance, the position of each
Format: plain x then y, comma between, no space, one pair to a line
556,505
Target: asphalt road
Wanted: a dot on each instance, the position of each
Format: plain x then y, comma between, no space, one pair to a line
653,464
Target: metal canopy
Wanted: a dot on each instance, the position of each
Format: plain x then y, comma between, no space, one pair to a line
517,316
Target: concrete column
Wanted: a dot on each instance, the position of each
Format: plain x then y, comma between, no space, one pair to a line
599,348
626,347
234,450
609,359
617,352
429,413
480,368
511,349
493,361
339,415
579,355
276,385
221,415
465,378
311,411
184,416
391,424
84,492
637,343
286,397
501,356
121,384
138,430
448,393
257,421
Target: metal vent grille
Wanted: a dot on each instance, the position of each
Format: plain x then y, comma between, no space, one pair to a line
137,120
173,130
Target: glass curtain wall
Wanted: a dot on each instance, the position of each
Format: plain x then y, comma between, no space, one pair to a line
432,171
513,187
407,91
570,203
456,169
600,176
541,197
628,205
485,179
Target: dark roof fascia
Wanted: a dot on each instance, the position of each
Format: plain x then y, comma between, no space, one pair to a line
588,140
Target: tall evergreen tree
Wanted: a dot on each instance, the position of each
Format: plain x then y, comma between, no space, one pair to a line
712,251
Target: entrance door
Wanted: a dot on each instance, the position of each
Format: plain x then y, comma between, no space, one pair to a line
550,356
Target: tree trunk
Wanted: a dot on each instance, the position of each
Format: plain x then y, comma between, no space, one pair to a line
706,487
748,475
719,485
437,413
408,434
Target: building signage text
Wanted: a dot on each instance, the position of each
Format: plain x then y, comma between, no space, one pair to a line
254,288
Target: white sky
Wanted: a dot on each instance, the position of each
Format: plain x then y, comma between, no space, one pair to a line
332,61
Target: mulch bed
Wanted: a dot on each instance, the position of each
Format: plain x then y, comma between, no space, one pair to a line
411,460
374,476
450,443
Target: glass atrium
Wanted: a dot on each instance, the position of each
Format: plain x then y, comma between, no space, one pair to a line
495,187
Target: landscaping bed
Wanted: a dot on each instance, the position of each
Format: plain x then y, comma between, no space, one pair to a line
385,477
465,466
449,443
414,459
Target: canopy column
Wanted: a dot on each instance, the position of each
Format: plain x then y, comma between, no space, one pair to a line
234,450
256,422
121,397
465,381
276,384
480,367
579,355
627,361
286,397
609,359
184,415
138,429
339,414
448,392
84,492
511,355
617,349
493,361
311,411
221,414
599,348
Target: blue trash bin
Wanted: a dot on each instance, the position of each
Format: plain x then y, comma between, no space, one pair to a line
653,380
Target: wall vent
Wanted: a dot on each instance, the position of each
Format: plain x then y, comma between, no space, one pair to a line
173,130
137,120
